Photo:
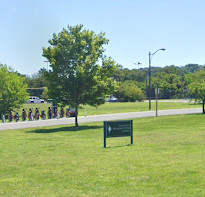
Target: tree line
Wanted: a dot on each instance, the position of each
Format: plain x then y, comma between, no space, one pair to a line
173,81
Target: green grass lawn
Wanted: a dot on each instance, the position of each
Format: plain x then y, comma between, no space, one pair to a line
166,159
122,107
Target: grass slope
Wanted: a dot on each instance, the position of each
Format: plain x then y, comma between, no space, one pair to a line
166,159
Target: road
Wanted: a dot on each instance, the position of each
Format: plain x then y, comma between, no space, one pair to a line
96,118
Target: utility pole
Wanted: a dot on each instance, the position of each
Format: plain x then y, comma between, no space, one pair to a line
150,56
149,80
156,92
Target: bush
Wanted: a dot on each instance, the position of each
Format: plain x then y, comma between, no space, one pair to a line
129,91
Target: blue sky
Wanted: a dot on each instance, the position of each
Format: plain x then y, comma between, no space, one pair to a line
134,27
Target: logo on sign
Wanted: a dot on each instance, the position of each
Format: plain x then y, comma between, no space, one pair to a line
109,129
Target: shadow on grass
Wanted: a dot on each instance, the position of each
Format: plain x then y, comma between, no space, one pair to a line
195,104
198,114
118,146
67,129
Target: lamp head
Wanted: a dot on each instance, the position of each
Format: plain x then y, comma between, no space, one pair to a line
138,63
163,49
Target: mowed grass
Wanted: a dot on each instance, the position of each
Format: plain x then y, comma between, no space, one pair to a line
123,107
166,159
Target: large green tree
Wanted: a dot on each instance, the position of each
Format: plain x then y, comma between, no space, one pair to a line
12,90
196,86
79,74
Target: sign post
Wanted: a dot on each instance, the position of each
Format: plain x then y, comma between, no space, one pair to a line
118,129
3,118
157,92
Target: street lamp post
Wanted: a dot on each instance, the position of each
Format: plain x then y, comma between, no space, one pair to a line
150,58
138,63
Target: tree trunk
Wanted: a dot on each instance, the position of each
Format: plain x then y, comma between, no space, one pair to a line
203,106
76,115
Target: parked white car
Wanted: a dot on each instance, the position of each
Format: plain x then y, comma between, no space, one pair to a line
35,99
112,99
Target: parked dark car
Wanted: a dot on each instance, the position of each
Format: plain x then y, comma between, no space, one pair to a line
72,112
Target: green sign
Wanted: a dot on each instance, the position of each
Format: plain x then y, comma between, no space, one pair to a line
118,129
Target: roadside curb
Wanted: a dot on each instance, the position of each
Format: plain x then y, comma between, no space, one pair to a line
95,118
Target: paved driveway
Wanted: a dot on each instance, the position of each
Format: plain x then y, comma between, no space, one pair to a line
96,118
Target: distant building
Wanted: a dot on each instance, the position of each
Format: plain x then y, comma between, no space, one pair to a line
35,91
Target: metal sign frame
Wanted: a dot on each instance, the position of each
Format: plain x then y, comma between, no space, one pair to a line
118,129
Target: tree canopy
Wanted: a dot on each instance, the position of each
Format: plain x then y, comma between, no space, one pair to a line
197,85
12,90
79,73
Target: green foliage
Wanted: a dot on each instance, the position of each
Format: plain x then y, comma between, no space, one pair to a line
37,80
171,70
169,84
172,83
12,90
191,68
127,75
37,85
76,76
196,85
129,91
45,94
